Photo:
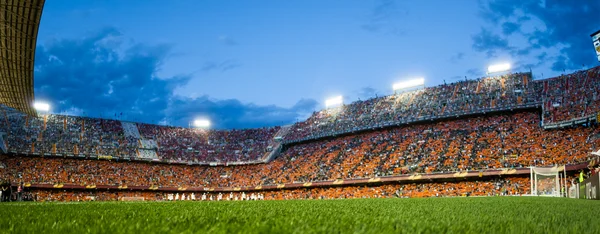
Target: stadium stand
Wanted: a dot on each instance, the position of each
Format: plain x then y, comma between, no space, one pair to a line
486,127
421,143
512,186
501,141
70,135
496,93
512,140
199,145
571,96
505,187
131,130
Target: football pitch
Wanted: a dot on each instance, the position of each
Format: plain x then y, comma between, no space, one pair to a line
426,215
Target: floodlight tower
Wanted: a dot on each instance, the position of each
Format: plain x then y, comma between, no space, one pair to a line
202,123
503,67
42,107
409,84
334,101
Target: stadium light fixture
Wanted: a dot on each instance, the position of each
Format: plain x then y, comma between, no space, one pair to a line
335,101
499,68
202,123
409,84
41,106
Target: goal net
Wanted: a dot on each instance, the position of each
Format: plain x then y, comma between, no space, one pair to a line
546,181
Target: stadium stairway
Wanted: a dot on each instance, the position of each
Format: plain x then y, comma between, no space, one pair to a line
2,143
147,148
130,130
276,144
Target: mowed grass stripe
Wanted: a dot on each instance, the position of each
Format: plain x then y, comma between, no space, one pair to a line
427,215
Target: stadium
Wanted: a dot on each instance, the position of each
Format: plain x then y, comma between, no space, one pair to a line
500,153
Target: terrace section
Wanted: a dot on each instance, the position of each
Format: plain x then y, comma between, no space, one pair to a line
463,98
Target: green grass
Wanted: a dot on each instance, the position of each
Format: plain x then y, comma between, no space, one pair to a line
430,215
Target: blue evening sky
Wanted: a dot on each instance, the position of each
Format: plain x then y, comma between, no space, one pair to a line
264,62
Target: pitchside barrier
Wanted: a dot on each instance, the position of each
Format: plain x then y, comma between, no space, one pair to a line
131,199
588,189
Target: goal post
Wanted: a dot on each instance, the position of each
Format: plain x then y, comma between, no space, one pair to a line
546,181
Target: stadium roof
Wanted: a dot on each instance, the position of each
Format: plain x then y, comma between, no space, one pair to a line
19,22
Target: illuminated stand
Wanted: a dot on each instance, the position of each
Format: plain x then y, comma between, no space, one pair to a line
202,123
334,102
334,106
504,67
409,85
42,107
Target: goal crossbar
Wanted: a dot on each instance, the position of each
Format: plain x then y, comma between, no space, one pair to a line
546,181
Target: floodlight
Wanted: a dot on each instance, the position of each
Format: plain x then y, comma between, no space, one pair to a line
41,106
499,68
409,83
335,101
202,123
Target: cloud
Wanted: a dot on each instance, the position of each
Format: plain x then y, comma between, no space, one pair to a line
101,76
564,26
539,60
457,57
366,93
232,113
454,79
510,28
486,41
383,18
223,66
475,72
560,63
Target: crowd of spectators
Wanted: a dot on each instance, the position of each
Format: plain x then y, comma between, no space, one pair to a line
511,186
562,98
509,139
200,145
495,141
487,142
70,135
60,134
459,98
571,96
